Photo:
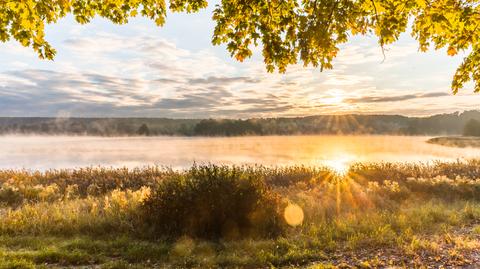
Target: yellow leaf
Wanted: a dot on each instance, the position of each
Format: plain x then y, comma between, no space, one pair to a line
159,21
451,51
239,57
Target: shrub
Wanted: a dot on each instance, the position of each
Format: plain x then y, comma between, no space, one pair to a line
214,202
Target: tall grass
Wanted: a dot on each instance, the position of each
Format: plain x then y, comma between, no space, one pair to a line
243,207
86,200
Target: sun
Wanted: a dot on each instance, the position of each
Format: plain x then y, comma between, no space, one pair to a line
336,97
339,165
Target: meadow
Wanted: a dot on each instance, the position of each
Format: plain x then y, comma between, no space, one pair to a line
373,215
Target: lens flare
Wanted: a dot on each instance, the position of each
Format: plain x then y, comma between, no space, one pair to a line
293,215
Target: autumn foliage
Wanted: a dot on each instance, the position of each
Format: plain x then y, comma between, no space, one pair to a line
289,31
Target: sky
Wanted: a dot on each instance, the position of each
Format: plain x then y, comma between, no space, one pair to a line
142,70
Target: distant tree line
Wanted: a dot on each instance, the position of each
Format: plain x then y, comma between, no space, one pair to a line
466,123
97,126
472,128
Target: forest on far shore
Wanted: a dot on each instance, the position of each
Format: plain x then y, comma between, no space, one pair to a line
441,124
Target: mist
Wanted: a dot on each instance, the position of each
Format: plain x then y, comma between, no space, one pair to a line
51,152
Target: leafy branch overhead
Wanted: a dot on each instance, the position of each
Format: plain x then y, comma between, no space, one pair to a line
289,31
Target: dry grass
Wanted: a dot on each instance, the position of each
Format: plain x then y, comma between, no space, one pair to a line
97,216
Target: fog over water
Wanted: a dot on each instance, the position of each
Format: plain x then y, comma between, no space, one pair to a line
48,152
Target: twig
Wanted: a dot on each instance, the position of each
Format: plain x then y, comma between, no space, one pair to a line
381,41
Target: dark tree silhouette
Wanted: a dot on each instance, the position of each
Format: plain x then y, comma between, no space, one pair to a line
143,130
444,124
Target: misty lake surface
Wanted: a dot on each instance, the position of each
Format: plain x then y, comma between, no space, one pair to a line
52,152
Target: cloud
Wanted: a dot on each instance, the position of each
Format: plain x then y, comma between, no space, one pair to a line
45,93
141,76
223,80
347,80
382,99
141,72
360,53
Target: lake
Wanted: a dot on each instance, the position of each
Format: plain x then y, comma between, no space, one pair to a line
48,152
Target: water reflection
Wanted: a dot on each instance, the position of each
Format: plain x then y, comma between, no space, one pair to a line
338,152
